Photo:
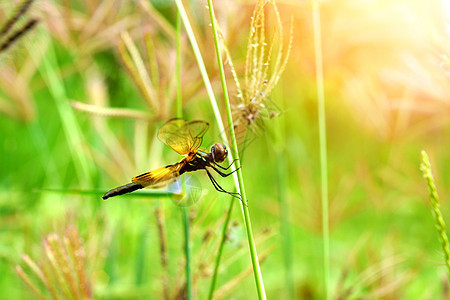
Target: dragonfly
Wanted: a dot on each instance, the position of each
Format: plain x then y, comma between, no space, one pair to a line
185,138
7,35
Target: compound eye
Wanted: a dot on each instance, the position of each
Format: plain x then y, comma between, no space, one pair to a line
219,152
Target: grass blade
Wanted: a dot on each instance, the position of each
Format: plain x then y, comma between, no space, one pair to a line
425,167
163,250
322,145
237,175
219,252
73,133
282,172
187,251
184,210
234,150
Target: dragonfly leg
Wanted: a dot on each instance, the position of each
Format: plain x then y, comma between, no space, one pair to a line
223,168
222,173
219,188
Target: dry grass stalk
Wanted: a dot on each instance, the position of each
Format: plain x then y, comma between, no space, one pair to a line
8,35
135,65
265,61
259,79
17,102
95,28
111,112
62,275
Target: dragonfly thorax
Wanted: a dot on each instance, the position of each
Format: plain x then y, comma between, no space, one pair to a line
219,152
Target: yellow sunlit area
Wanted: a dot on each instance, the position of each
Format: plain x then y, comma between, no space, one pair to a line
224,149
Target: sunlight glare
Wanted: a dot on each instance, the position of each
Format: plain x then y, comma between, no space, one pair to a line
446,4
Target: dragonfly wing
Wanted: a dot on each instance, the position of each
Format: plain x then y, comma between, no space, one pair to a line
159,177
182,136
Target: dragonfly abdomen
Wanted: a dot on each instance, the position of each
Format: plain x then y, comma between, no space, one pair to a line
127,188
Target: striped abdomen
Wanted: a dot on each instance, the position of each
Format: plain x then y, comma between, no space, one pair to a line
127,188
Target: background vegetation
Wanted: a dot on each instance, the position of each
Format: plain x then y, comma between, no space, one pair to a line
83,94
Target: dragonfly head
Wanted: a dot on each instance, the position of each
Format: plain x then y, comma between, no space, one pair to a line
219,152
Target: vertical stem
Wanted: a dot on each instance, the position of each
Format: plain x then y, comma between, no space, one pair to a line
323,145
184,209
219,252
73,133
163,250
223,240
285,226
281,182
237,176
178,67
234,150
202,68
187,252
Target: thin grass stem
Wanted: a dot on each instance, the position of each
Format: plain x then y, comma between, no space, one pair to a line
438,219
178,68
79,257
237,175
158,18
163,250
73,133
322,145
56,269
20,11
111,112
151,58
202,68
142,193
234,150
281,183
187,251
184,210
52,286
224,238
140,258
42,148
142,74
219,252
29,283
63,263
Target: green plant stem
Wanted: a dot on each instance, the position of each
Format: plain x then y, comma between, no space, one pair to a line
163,250
42,149
178,68
224,237
30,283
234,150
185,212
237,176
140,257
219,252
323,145
73,133
281,183
202,68
187,252
285,226
438,219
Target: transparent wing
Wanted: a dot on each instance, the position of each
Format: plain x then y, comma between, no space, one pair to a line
182,136
159,177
